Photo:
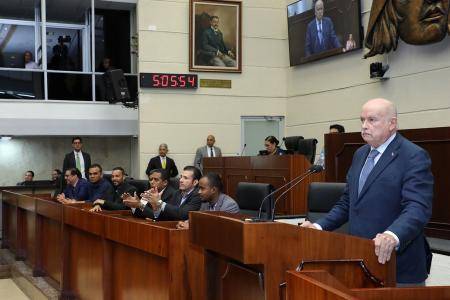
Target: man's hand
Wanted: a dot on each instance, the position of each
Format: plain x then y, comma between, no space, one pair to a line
131,201
99,201
61,197
308,224
183,224
96,208
153,198
384,244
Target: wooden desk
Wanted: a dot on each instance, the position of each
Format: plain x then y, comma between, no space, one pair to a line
276,170
249,260
339,154
320,284
107,255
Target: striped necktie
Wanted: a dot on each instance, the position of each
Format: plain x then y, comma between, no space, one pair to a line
368,166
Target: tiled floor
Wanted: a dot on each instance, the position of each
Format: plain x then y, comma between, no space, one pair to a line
10,291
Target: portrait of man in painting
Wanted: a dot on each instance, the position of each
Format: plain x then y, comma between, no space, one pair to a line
416,22
215,36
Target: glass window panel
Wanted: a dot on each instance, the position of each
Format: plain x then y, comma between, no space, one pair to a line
15,42
67,86
18,9
21,85
64,49
69,12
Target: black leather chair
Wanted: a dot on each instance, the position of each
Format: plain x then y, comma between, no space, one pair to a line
249,196
291,143
307,147
322,196
141,185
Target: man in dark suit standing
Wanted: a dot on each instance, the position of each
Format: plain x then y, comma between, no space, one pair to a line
320,34
158,179
184,200
388,196
162,162
77,158
206,151
213,46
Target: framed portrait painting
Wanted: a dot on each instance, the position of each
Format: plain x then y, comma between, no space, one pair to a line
215,36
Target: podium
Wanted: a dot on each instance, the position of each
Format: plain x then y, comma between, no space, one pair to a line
249,260
275,170
320,284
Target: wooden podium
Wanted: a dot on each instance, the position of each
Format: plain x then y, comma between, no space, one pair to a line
320,284
276,170
249,260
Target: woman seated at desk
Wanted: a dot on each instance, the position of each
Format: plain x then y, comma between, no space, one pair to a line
271,144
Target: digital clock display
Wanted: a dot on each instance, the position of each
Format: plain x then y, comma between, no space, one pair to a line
168,81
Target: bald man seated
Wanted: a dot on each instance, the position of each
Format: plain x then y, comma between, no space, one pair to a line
388,196
209,150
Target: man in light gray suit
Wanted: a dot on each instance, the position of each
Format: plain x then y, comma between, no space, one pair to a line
213,199
206,151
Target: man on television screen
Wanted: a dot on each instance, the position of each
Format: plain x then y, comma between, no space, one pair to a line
320,34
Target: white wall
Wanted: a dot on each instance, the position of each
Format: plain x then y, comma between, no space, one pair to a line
183,119
333,90
43,154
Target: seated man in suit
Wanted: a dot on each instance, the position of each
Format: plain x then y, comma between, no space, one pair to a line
182,201
121,187
158,179
28,178
98,188
320,35
76,189
388,196
162,162
206,151
77,158
210,189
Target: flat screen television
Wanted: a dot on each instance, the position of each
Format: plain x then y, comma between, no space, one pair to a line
319,29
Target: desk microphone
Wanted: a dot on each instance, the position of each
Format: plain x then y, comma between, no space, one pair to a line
313,169
243,149
285,185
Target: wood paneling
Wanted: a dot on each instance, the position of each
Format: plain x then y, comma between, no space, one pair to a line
275,170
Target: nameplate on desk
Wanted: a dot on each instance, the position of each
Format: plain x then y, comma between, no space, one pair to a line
215,83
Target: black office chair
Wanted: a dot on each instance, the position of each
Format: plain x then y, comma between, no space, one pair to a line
140,185
322,196
249,196
291,143
307,147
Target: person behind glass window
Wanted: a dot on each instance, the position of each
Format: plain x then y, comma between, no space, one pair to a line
28,61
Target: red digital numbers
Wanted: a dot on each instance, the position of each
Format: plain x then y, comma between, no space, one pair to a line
160,80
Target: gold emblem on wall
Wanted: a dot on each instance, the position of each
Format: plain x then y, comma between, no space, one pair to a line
416,22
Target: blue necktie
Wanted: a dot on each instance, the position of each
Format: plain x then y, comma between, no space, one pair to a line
368,166
320,33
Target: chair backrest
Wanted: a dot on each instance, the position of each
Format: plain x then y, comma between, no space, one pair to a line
307,147
322,196
291,143
141,185
249,196
174,182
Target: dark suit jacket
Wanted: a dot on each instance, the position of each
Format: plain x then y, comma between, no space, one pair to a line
330,40
211,42
148,210
69,162
173,211
397,196
117,203
155,163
